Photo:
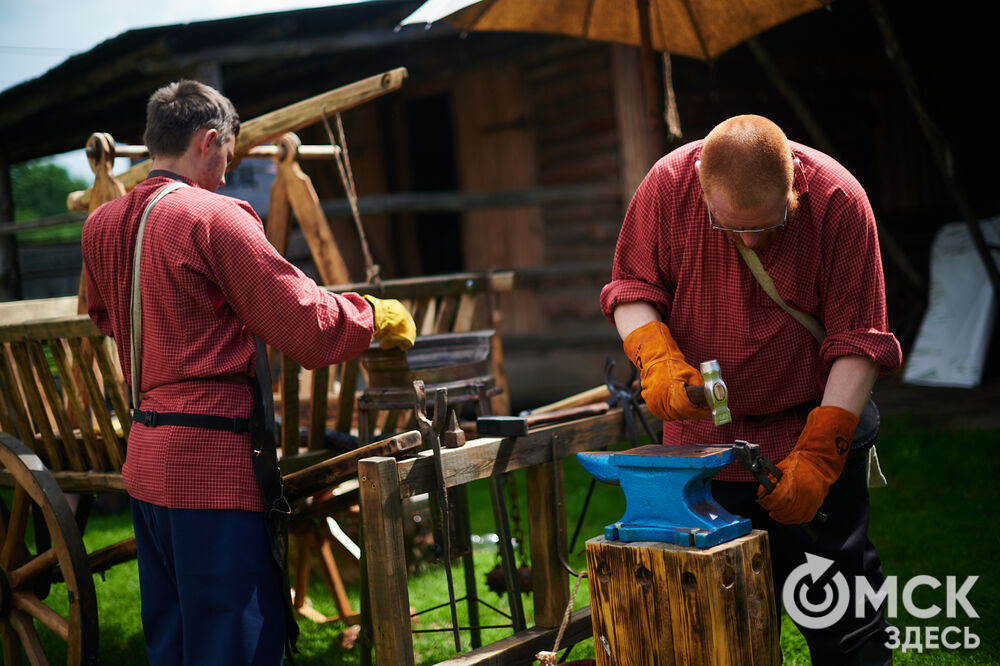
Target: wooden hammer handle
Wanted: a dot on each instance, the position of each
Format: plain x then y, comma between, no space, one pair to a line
696,394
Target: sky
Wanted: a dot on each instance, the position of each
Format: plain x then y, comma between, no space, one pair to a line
37,35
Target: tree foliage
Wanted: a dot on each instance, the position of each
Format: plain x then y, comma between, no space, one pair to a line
40,189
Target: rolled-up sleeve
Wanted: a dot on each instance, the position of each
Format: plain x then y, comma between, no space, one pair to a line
854,310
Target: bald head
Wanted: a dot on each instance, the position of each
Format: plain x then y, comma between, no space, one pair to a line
746,160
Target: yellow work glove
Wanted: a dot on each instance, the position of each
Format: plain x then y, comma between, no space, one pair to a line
664,373
811,468
394,326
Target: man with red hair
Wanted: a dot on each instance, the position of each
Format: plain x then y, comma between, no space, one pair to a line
681,293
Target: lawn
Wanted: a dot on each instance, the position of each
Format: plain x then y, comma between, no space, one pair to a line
936,518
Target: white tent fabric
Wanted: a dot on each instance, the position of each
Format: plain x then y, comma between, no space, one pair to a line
955,333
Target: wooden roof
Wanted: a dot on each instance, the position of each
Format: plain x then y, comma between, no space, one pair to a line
266,61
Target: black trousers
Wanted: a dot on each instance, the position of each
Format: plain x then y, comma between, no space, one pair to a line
843,538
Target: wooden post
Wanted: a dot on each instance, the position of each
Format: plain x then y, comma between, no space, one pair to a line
657,603
385,556
549,580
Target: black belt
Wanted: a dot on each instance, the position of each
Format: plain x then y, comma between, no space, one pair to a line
154,419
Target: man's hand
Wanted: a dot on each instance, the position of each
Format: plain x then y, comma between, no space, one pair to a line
394,326
811,468
664,373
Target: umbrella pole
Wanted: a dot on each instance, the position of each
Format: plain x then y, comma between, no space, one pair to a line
650,86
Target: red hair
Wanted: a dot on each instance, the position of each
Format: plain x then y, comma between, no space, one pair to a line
748,158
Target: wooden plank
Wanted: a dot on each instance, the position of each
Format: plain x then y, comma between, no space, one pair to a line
466,315
446,314
549,580
55,399
112,384
77,482
37,308
22,423
68,327
289,405
317,408
384,551
522,647
486,456
331,472
684,605
316,230
490,121
279,215
93,457
36,406
425,325
345,401
96,401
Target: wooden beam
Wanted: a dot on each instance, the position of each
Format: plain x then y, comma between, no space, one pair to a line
549,580
522,647
457,202
488,456
331,472
268,127
385,553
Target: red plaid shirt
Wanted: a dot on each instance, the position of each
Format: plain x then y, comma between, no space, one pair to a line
210,283
825,262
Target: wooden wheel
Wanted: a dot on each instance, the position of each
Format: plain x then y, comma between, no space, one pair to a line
27,603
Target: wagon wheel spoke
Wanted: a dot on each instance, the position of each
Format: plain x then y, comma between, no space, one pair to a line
31,605
28,572
11,643
25,629
32,587
13,547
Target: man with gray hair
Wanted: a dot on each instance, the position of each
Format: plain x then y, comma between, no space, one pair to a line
200,466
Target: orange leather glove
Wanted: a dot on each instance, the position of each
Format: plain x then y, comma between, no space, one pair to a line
394,327
664,373
813,465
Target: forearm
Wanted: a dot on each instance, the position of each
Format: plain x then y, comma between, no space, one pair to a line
850,383
630,316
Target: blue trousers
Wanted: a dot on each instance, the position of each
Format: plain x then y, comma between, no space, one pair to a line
211,593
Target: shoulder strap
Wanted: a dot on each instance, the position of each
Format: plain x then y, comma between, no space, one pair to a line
135,346
767,284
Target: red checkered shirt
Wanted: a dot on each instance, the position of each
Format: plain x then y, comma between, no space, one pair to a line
210,282
825,262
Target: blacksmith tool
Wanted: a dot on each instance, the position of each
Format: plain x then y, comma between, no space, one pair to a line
767,474
714,393
517,426
668,495
429,432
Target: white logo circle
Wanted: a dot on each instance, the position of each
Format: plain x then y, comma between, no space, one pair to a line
815,615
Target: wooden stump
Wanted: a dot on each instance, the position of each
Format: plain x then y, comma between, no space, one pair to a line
657,603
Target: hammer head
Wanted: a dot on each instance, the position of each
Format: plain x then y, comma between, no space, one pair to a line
716,393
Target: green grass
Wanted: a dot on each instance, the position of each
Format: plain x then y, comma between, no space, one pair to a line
937,517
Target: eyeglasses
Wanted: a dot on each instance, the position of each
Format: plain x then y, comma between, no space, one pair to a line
755,230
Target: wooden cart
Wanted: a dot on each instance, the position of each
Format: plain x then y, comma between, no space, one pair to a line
65,420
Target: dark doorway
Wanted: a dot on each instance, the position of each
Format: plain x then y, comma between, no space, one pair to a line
432,166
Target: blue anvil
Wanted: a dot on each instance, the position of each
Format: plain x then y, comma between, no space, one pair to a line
668,495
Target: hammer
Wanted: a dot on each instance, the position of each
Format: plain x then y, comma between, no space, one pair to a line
714,393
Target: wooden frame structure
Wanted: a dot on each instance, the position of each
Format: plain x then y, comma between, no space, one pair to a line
386,482
63,395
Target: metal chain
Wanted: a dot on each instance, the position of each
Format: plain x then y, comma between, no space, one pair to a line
514,510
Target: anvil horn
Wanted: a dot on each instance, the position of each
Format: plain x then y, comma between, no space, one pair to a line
599,465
